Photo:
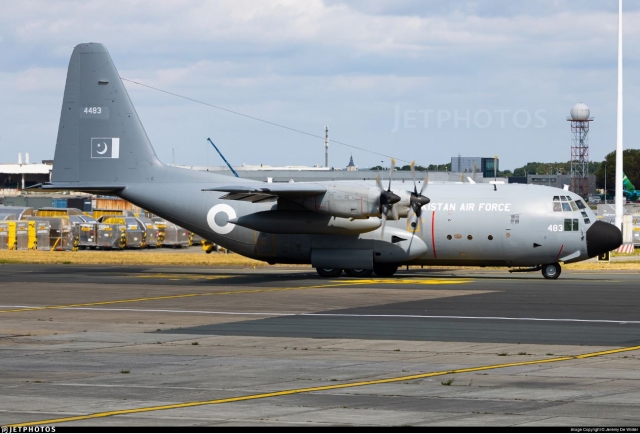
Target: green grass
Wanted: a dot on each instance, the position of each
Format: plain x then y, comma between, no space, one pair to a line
449,382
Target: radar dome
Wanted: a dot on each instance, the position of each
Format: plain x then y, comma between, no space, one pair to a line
580,112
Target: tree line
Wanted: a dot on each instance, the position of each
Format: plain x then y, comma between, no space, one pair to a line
630,158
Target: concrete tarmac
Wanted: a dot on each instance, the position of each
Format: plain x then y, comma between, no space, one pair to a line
120,345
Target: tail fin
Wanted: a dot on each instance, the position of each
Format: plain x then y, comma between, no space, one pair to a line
101,142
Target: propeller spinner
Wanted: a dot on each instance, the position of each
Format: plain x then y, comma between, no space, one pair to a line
387,198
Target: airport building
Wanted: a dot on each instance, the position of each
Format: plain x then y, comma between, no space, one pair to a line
552,180
16,177
488,167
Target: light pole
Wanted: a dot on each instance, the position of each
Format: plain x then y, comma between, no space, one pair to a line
605,182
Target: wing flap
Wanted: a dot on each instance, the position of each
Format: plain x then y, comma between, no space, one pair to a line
250,197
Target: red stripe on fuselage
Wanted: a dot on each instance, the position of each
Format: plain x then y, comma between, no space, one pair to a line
433,233
561,247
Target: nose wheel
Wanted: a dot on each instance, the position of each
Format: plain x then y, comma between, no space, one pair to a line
551,271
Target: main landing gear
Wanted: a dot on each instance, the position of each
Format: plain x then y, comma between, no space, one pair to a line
381,270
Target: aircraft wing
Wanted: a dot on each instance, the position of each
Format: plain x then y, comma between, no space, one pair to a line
268,192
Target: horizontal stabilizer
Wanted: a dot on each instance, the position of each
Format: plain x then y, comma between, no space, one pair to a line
75,186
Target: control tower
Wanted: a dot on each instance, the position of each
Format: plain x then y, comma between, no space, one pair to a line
580,149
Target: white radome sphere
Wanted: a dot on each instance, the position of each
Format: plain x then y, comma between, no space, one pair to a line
580,112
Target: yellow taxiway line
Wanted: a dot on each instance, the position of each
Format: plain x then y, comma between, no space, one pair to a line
250,291
317,388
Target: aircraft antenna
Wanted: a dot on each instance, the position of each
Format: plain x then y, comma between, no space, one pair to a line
222,156
261,120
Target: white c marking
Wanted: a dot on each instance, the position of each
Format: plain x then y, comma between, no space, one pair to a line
105,148
211,218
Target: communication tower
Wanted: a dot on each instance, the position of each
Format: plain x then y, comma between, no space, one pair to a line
580,149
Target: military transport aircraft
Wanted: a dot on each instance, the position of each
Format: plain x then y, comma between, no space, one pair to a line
358,227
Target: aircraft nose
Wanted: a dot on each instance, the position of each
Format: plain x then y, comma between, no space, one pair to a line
602,237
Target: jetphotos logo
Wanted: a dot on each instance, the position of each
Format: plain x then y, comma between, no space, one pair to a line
102,147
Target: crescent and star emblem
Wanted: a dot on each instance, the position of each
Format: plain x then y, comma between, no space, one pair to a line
105,148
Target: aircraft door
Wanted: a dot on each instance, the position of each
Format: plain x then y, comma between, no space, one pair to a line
529,241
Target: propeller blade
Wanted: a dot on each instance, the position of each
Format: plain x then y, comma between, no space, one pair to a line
412,166
378,183
424,184
391,169
384,222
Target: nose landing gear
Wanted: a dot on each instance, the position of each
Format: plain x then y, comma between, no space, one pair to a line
551,271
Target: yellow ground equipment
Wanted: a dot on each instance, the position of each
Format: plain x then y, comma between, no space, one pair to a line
208,246
61,232
174,236
134,232
4,235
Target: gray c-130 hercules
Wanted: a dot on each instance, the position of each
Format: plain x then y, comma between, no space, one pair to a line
358,227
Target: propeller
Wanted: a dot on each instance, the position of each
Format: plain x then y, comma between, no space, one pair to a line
387,198
418,200
472,179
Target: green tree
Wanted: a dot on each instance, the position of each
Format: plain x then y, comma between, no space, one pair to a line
630,164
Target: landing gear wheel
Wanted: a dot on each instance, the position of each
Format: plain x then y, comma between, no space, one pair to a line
329,272
358,272
551,271
384,270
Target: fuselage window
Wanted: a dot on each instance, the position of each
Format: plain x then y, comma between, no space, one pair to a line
587,221
571,225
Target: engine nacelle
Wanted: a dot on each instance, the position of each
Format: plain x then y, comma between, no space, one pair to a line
345,200
403,206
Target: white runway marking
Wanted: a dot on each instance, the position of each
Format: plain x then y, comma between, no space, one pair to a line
338,315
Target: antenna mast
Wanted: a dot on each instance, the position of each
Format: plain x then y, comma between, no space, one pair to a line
326,146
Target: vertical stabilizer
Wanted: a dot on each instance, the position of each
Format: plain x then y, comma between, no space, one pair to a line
101,140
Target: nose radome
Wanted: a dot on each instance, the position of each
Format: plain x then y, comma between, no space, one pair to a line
602,237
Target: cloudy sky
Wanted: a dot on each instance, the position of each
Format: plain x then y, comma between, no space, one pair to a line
423,80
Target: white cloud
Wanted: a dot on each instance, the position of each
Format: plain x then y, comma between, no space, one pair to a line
305,64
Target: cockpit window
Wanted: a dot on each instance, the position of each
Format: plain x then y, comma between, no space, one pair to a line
580,204
556,198
557,207
573,206
566,207
563,198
